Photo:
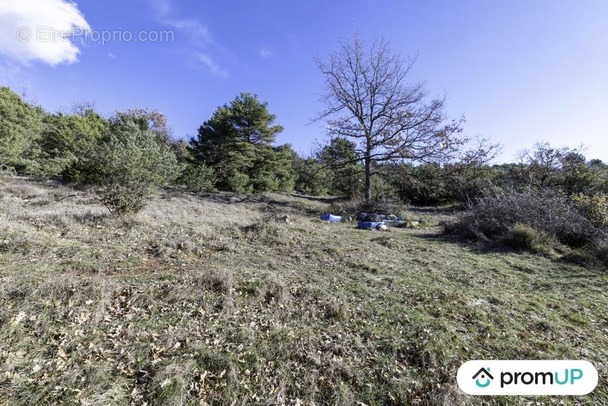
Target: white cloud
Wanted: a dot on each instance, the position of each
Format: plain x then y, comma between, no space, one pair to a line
32,30
194,28
214,68
266,53
197,32
162,7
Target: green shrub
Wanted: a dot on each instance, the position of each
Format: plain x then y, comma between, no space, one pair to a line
266,182
595,208
525,237
130,161
383,191
127,154
240,183
122,200
20,128
67,138
311,177
198,178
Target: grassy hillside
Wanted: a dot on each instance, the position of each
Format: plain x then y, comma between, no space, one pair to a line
227,299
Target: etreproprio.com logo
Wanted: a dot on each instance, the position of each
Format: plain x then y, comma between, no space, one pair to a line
527,377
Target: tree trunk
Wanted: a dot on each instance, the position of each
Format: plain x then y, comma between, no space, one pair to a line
368,178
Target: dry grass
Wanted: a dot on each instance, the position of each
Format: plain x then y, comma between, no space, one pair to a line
228,299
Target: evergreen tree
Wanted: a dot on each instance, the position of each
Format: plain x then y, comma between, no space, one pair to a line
312,177
127,154
237,143
69,138
20,127
340,156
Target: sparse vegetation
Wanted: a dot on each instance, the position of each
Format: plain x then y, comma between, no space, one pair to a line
209,297
494,216
253,300
525,237
123,200
141,268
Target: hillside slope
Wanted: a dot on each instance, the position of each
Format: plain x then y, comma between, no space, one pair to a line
226,299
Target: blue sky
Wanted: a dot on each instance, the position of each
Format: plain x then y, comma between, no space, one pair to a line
520,71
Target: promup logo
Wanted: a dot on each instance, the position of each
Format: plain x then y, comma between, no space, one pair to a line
484,375
527,377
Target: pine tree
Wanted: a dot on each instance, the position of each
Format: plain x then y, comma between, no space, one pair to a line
237,142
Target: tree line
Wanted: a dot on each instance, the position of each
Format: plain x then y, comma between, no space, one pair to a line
235,151
387,141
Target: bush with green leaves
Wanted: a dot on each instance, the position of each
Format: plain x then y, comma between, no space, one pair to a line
420,185
20,127
563,169
129,162
346,175
122,200
432,184
239,182
197,178
311,176
69,138
382,190
272,169
595,207
128,154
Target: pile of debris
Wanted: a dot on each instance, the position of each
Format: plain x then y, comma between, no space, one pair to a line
378,220
373,220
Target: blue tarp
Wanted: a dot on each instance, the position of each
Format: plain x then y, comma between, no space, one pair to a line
364,225
331,218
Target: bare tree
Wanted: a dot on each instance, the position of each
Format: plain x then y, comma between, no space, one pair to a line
368,100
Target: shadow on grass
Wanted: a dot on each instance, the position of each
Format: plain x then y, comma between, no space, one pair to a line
569,262
446,210
320,199
274,205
